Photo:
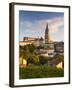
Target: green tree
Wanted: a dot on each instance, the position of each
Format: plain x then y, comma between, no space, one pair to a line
35,59
59,57
26,52
31,48
43,60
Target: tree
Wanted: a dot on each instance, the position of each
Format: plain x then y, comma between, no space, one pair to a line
35,59
43,60
59,57
26,52
31,48
40,47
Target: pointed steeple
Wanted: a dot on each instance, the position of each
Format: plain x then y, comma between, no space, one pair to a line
47,30
47,34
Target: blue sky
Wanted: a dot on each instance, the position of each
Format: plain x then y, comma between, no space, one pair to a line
33,24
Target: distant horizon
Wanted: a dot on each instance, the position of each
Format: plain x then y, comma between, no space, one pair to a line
43,39
33,24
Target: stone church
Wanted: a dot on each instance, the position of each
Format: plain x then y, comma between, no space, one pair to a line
48,42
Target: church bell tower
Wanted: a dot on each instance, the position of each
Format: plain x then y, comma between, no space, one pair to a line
47,35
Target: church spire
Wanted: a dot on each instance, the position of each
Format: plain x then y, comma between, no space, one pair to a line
47,30
47,34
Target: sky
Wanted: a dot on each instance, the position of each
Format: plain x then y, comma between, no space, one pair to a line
33,24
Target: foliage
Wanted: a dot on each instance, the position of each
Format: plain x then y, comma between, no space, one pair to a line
31,48
28,53
40,47
37,65
33,59
40,72
59,57
43,60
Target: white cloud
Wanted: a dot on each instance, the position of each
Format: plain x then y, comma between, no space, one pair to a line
38,26
54,23
27,24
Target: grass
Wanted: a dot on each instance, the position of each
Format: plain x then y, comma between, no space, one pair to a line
40,72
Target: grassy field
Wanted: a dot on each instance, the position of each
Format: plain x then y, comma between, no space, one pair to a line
40,72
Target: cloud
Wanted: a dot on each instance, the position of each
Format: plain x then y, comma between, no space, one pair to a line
54,23
37,28
27,24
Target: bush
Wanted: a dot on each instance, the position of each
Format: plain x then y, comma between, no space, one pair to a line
40,72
